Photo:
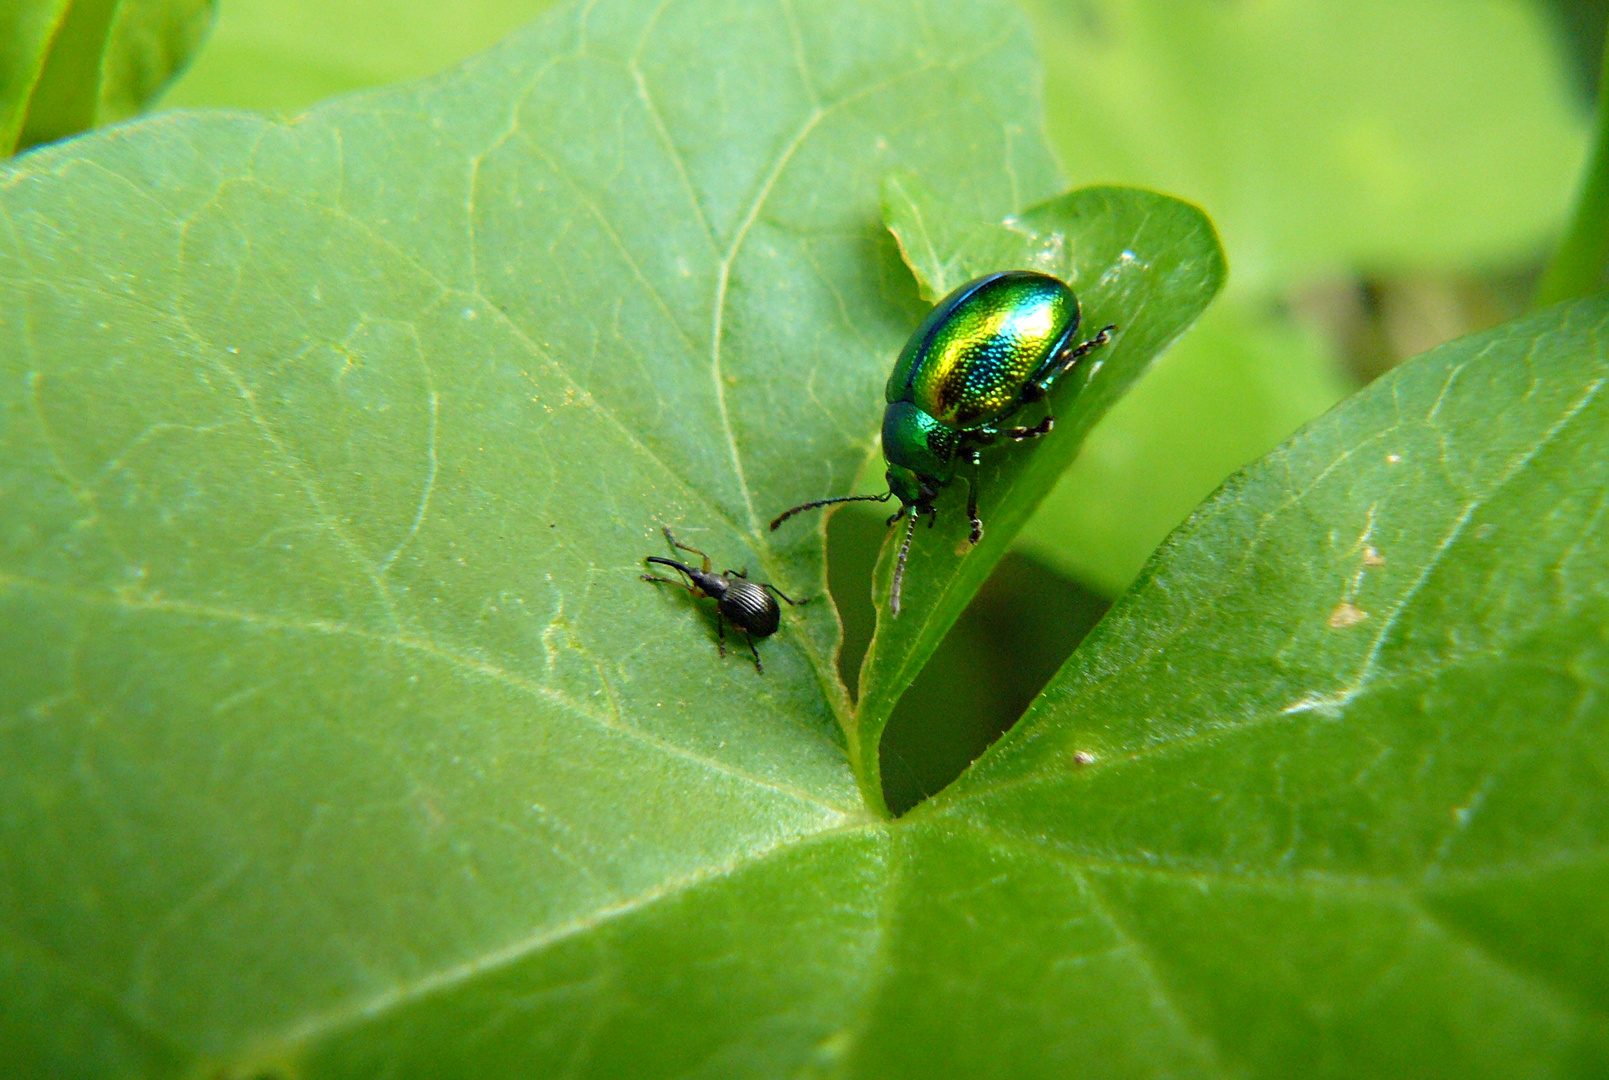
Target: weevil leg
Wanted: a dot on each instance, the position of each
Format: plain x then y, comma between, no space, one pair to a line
686,547
932,513
895,516
672,581
783,596
759,667
720,634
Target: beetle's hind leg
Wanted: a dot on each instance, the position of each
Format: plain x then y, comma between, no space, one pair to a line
1090,346
783,596
1072,357
1021,434
759,667
720,634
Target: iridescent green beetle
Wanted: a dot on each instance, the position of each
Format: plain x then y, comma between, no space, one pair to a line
989,348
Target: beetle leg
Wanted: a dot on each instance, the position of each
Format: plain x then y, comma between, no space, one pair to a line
720,634
671,581
783,596
1074,355
932,515
972,510
759,667
1019,434
895,516
686,547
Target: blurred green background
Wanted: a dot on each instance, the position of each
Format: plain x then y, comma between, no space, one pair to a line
1386,175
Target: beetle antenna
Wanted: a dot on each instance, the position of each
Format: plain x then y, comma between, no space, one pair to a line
786,514
899,566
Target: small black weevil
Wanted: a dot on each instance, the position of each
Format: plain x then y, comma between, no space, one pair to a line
747,603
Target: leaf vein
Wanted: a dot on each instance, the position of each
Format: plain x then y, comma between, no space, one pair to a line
451,657
317,1027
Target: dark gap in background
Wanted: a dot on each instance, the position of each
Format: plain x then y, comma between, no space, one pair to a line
1376,322
1581,25
1016,634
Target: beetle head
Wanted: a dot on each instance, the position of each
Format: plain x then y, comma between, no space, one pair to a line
909,487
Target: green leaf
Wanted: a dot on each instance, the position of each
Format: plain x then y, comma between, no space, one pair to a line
151,42
66,65
1140,261
330,453
1323,136
286,55
26,31
1232,388
65,84
339,737
1328,792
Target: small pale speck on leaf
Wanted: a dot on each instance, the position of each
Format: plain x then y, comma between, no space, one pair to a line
1083,757
835,1046
1393,459
1346,614
1372,557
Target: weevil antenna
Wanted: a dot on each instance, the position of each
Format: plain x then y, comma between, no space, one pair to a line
899,565
786,514
683,567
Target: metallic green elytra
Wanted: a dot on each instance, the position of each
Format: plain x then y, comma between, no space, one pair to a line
989,348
